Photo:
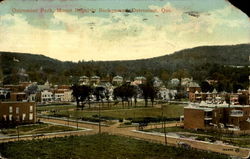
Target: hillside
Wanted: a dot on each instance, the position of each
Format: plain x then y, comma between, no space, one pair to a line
198,62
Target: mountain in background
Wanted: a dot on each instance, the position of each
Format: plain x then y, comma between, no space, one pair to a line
201,63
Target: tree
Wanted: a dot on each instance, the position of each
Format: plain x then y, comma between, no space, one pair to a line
243,99
99,92
81,93
31,89
149,92
205,86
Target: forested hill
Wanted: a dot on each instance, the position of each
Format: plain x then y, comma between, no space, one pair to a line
197,62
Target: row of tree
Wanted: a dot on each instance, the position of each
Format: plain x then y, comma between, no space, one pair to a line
84,94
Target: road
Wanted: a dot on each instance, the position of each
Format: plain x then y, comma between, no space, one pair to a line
157,138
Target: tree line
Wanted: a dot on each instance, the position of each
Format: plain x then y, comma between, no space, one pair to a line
85,94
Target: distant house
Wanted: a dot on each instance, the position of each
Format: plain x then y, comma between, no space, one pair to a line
84,80
14,113
58,95
32,98
94,80
186,81
219,97
45,86
46,96
67,96
117,80
15,88
193,90
4,93
18,96
139,80
62,95
157,82
174,82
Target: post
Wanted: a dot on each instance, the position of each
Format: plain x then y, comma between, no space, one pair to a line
77,119
164,126
165,134
68,117
99,118
17,133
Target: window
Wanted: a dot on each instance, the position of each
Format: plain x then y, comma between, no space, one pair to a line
10,109
31,108
10,117
24,116
17,110
31,116
5,117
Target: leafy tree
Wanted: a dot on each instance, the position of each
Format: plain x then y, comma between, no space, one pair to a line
99,92
31,89
205,86
81,93
149,92
243,99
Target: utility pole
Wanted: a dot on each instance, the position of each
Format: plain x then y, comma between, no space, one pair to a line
17,133
68,117
165,134
99,118
77,119
164,127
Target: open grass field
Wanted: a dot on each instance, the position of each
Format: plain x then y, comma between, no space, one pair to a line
35,129
55,107
169,111
99,146
241,140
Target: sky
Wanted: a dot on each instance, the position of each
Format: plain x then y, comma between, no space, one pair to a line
73,30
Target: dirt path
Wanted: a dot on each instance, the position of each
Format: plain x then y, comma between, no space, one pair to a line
131,132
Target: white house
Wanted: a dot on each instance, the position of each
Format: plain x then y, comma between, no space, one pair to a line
46,96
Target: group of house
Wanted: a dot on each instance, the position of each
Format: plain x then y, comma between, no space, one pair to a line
196,96
163,93
32,92
218,111
18,102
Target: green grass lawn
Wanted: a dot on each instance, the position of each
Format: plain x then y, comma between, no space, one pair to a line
169,111
99,146
36,129
55,107
241,140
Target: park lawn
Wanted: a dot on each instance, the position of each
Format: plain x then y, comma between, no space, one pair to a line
241,140
55,107
36,129
169,111
99,146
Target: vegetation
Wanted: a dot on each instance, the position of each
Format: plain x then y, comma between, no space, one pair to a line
126,92
238,140
98,146
150,114
55,107
35,129
201,63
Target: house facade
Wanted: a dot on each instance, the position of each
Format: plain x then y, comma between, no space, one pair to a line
15,113
221,116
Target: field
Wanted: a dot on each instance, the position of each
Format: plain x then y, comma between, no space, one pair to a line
99,146
35,129
55,107
118,113
242,140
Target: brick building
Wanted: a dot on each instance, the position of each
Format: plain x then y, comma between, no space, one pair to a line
217,116
14,113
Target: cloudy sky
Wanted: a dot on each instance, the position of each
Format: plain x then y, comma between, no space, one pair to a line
157,27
